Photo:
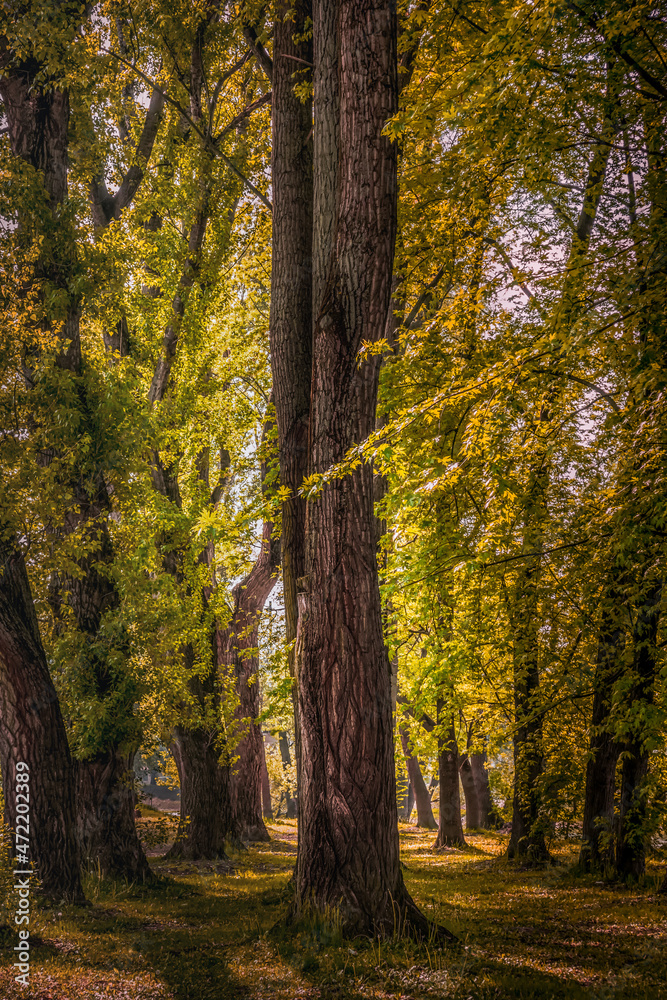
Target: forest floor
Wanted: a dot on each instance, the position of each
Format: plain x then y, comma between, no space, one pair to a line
208,932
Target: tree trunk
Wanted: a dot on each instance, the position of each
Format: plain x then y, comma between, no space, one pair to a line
290,320
631,838
483,788
39,129
348,856
205,819
425,818
32,731
291,805
237,651
527,837
105,781
597,846
107,830
470,794
267,805
450,829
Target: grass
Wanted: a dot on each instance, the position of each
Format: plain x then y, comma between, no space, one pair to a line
203,933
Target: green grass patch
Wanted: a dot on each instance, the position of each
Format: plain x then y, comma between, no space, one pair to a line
203,932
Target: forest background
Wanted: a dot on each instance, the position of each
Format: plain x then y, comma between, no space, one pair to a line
155,454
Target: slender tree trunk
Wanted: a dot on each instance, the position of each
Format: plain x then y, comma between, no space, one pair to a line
425,818
450,829
631,847
409,803
597,847
527,837
107,830
267,805
470,794
291,809
237,651
32,731
483,788
290,320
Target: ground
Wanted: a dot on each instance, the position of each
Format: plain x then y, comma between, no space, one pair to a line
208,932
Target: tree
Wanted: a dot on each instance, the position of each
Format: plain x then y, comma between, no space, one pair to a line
348,840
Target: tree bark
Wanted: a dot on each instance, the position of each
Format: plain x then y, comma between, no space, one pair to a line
205,815
483,788
105,818
32,731
237,650
470,794
267,805
348,855
597,846
631,837
425,818
450,829
290,319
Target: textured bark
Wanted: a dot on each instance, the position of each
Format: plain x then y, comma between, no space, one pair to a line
348,839
450,829
32,731
236,647
597,847
267,805
205,817
425,818
39,122
470,794
630,846
484,800
105,817
290,321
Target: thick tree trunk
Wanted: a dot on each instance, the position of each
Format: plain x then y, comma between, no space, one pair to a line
105,818
483,788
450,829
205,817
237,647
348,856
290,320
597,846
31,725
425,818
631,846
32,731
105,781
39,123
